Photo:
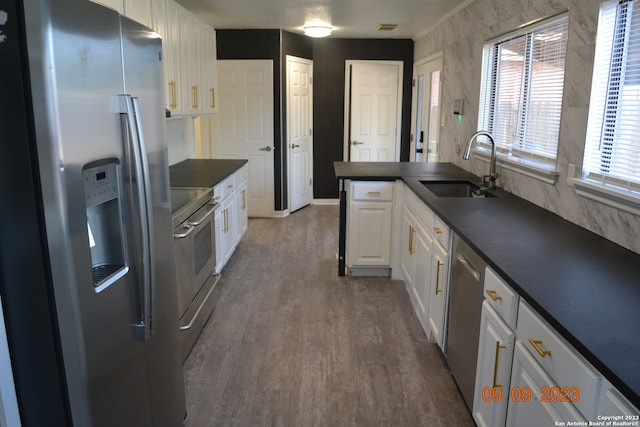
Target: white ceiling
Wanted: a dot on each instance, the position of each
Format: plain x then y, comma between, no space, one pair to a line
350,18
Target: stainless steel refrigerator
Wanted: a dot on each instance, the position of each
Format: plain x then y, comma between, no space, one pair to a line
92,103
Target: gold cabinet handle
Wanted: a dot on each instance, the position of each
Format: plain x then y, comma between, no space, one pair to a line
536,345
438,230
244,199
213,97
230,186
495,366
374,193
493,295
216,197
194,88
172,88
411,230
440,264
226,220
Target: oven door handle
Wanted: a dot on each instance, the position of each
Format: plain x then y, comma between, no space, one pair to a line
189,229
211,207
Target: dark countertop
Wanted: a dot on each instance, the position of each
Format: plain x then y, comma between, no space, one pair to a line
585,286
202,173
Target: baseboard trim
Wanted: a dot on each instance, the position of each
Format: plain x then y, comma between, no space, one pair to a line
281,214
331,202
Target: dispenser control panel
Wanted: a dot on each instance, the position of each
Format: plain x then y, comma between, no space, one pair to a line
100,184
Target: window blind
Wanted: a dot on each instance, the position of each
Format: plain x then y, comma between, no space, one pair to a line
521,89
612,151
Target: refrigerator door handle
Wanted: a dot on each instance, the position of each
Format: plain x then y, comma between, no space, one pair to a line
130,107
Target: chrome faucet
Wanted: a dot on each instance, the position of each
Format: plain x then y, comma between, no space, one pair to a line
492,165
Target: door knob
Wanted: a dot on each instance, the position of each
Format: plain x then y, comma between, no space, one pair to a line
357,143
294,146
268,148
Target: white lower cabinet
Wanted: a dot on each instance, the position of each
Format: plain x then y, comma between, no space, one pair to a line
438,293
493,372
577,381
424,261
369,227
240,194
225,236
417,246
231,216
407,254
527,376
539,379
612,403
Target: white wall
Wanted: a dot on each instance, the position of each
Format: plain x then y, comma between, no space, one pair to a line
461,38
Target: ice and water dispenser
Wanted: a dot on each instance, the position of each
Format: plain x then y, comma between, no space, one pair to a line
104,221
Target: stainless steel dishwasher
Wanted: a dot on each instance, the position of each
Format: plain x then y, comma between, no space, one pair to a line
465,306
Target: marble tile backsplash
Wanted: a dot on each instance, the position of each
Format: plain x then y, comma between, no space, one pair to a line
460,39
180,137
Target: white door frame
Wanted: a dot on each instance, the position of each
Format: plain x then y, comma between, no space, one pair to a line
289,131
414,101
347,103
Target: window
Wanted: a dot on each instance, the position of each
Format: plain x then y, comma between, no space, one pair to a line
612,150
521,91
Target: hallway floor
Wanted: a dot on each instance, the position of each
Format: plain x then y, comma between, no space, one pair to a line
290,343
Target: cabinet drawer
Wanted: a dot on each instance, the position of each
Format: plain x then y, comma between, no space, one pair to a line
228,185
217,193
441,232
561,361
241,175
372,191
501,297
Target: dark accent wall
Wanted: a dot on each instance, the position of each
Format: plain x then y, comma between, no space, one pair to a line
329,56
260,44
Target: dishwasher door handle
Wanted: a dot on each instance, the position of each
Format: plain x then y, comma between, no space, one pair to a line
468,266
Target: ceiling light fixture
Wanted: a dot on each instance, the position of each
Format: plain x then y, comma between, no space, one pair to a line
317,30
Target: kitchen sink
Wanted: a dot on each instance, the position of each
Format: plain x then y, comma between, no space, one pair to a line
455,189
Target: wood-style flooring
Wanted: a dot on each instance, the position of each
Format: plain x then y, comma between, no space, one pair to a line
290,343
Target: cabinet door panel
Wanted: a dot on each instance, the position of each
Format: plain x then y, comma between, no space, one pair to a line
370,237
526,372
140,11
407,260
240,194
495,353
423,244
563,363
439,291
172,59
116,5
209,69
190,70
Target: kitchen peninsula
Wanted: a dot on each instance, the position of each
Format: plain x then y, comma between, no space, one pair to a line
583,285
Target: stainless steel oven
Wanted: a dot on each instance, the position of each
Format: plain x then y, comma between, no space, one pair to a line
195,258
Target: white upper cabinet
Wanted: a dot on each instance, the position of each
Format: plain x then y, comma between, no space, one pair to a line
189,57
208,69
140,11
190,62
117,5
172,59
